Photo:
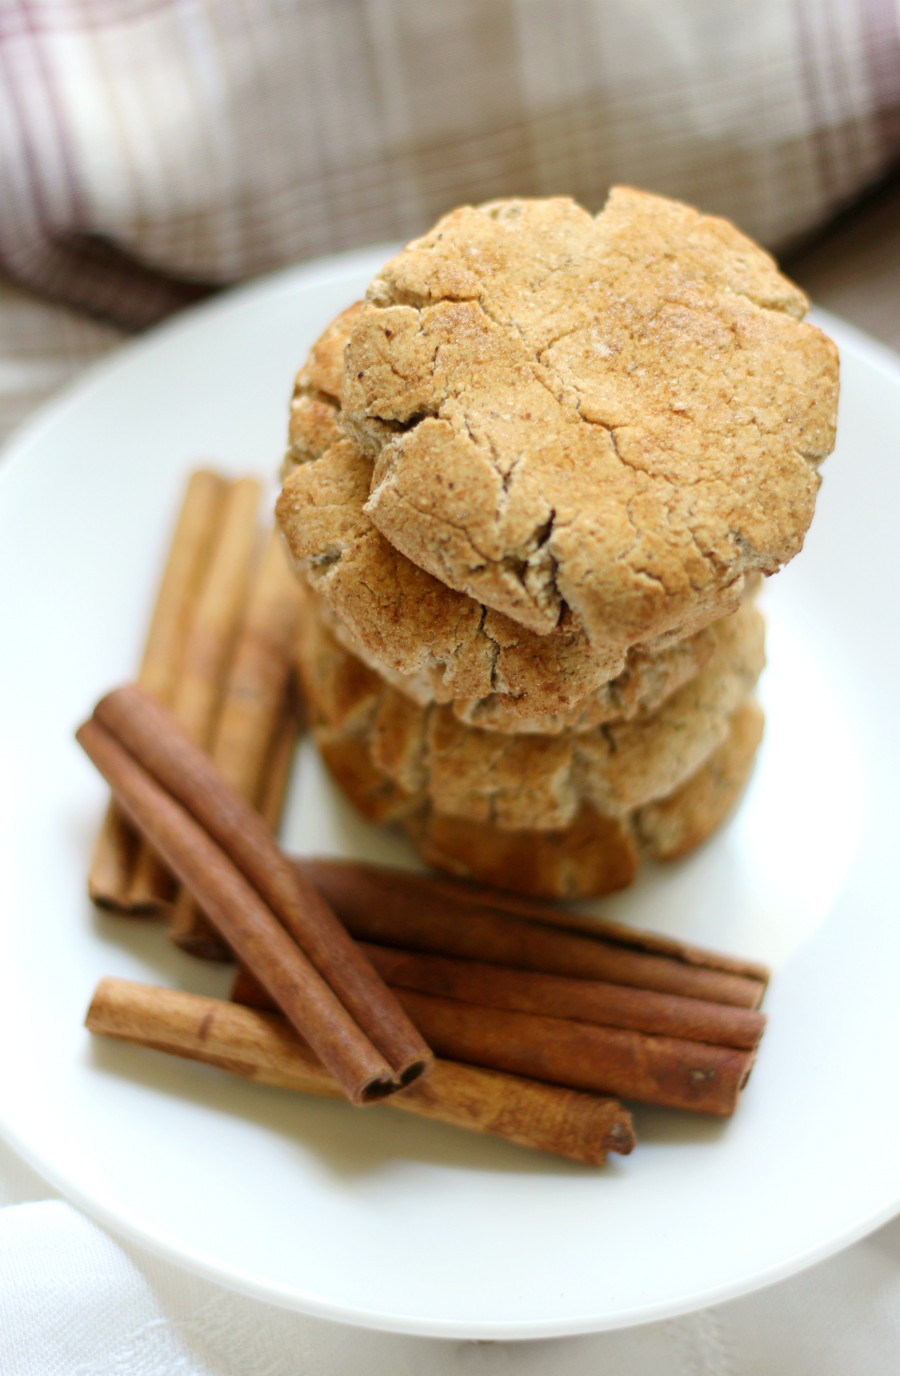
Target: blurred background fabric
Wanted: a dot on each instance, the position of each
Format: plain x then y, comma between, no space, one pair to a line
153,149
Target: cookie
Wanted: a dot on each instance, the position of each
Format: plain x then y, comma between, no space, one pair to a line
671,827
642,686
313,423
605,422
525,782
433,642
596,855
407,620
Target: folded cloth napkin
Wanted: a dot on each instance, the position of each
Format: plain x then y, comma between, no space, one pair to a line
152,148
75,1301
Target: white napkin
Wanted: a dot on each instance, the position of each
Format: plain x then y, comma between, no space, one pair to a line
75,1301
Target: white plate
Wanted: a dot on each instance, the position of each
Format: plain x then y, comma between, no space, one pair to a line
360,1215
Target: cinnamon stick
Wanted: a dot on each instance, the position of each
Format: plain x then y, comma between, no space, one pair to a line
247,924
466,892
252,709
277,770
275,922
112,865
205,940
552,996
263,1047
558,996
393,907
501,1031
197,695
609,1060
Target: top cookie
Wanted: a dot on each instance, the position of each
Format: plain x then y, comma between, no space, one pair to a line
410,627
617,417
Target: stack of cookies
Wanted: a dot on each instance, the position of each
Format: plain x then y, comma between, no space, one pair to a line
532,483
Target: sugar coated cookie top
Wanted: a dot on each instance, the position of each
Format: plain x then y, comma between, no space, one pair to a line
612,419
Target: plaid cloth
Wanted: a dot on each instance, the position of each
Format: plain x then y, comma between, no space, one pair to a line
152,148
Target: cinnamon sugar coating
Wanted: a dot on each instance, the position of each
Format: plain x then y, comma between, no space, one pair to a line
530,781
605,422
432,642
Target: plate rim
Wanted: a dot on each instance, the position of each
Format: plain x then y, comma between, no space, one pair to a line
123,1221
123,1224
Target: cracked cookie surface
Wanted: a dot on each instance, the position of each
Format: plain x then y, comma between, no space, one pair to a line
603,421
421,755
436,643
596,854
645,683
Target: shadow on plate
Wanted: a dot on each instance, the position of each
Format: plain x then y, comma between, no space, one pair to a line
327,1128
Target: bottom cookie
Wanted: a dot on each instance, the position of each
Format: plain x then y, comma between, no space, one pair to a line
594,855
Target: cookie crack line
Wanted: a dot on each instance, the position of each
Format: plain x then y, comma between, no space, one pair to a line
536,361
443,520
658,362
701,220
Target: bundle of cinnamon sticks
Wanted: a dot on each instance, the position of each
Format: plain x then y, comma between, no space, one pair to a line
352,975
219,655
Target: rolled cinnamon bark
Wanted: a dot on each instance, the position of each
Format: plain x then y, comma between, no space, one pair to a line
247,924
552,996
393,907
112,865
276,772
608,1060
557,996
157,769
252,711
205,942
657,1069
146,730
465,892
197,696
263,1047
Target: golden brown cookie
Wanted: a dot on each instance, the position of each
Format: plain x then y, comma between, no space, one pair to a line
671,827
595,855
313,423
642,686
526,782
611,419
406,620
432,642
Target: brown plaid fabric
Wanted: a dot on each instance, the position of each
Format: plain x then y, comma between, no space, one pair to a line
153,149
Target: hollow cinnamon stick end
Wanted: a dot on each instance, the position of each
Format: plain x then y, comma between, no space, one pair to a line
127,904
193,933
248,991
415,1070
153,888
384,1086
374,1091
